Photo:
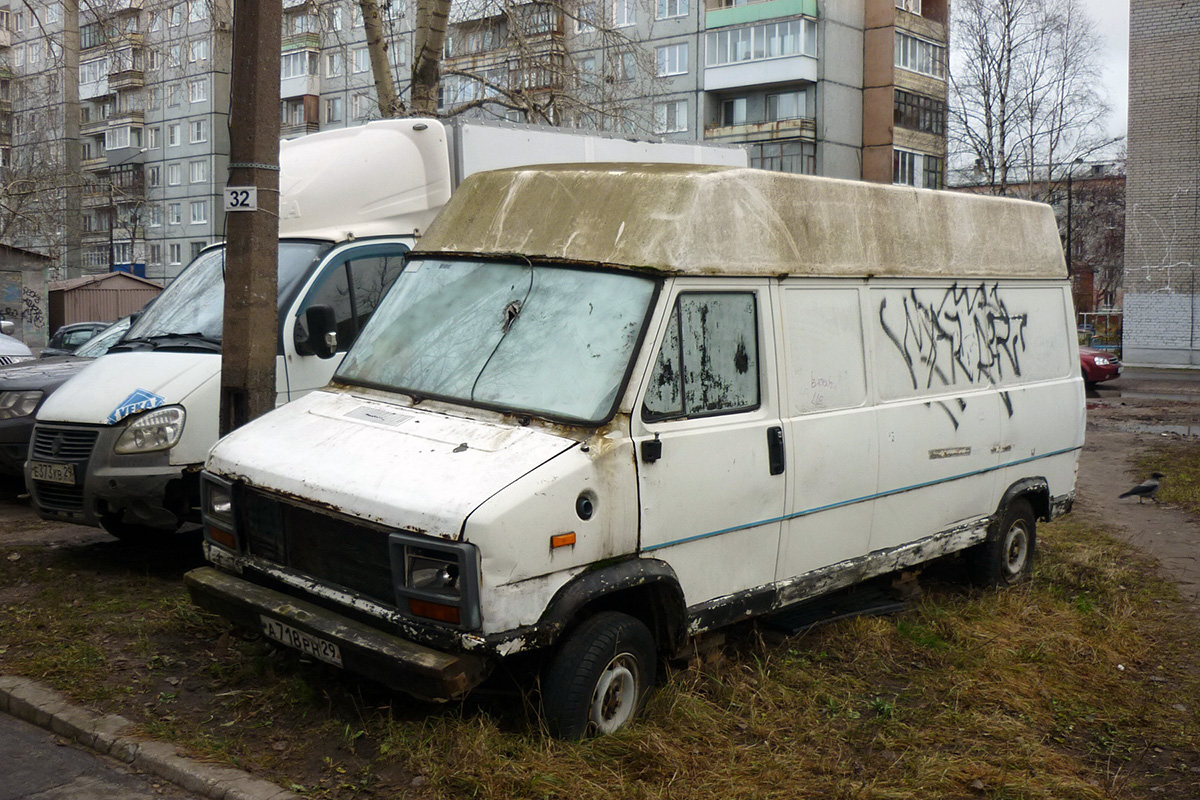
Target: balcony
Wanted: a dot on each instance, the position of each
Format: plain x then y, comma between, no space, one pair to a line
94,164
5,37
290,131
762,72
720,13
126,79
93,127
121,6
308,40
763,131
299,86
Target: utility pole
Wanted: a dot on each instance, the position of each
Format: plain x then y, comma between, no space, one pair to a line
251,328
72,260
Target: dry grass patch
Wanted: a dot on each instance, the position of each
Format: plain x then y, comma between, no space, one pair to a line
1179,460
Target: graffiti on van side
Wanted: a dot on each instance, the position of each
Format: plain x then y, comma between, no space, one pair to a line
964,334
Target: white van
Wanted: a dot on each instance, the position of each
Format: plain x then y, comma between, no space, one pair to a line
603,410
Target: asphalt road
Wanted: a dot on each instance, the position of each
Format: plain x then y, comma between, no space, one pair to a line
37,765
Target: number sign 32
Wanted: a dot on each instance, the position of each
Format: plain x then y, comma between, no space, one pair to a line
241,198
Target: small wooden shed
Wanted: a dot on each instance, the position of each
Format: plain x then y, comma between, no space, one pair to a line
99,298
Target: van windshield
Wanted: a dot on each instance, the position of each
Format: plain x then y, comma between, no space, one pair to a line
549,341
190,312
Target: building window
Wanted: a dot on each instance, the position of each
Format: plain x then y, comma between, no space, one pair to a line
733,111
911,6
174,213
153,176
154,253
173,138
293,112
672,8
199,212
794,37
198,91
173,94
589,16
362,60
199,128
156,216
334,18
626,66
917,169
198,51
672,59
197,10
919,55
174,175
197,171
298,64
920,113
175,55
197,248
932,168
787,105
176,252
904,168
624,13
785,156
334,64
124,136
671,117
334,110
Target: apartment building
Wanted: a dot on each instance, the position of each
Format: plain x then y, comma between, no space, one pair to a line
845,88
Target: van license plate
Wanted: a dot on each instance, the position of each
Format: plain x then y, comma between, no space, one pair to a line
52,473
305,643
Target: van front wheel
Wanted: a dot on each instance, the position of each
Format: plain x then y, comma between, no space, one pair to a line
1006,558
600,676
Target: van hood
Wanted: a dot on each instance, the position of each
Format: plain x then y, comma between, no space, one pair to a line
43,373
117,385
402,467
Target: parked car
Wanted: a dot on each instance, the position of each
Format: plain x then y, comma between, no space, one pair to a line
13,351
1098,365
67,339
23,387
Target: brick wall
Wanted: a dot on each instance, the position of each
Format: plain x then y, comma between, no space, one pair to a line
1162,236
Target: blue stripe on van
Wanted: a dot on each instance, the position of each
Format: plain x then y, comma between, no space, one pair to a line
864,499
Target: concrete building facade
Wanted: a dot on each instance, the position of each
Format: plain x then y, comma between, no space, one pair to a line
1162,221
844,88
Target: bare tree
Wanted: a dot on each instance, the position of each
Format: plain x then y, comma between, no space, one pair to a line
1024,101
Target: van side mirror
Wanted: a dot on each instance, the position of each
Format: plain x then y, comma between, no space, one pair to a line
7,327
322,330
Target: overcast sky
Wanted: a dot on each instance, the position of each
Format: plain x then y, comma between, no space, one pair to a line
1112,22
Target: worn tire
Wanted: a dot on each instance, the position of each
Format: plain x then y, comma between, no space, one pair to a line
599,678
132,533
1006,558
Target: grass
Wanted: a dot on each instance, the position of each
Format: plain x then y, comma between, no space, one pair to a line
1082,684
1179,460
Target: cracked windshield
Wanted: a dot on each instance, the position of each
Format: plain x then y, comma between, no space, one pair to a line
545,340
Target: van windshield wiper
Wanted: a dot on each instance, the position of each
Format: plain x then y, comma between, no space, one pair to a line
171,341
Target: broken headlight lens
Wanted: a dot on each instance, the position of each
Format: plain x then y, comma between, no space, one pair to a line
18,404
152,431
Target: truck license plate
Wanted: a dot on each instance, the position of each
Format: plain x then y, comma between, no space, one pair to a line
305,643
52,473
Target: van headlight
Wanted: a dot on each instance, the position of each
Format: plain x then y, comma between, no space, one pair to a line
436,581
152,431
216,509
18,404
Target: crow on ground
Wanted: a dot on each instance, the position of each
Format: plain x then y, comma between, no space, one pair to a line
1147,488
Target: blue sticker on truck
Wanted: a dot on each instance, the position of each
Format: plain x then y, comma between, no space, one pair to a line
140,400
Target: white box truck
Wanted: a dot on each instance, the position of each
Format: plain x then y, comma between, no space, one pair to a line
121,444
604,410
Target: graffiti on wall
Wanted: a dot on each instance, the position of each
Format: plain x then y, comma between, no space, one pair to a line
956,336
22,305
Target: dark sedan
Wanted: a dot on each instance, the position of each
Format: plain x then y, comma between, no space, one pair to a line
69,338
24,386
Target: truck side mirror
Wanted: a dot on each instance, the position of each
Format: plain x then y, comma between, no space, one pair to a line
7,327
322,330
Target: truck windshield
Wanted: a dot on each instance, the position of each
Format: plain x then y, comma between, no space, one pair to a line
549,341
193,305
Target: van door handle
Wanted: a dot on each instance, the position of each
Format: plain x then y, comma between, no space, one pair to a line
775,452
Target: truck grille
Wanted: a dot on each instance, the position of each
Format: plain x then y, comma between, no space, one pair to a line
63,444
342,551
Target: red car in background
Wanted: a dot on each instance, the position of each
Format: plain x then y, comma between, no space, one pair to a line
1098,365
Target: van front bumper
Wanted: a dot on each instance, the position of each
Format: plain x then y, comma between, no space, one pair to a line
391,660
144,490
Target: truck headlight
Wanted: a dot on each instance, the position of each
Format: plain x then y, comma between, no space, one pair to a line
152,431
18,404
436,581
216,508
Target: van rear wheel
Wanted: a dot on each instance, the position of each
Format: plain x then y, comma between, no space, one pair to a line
600,677
1006,558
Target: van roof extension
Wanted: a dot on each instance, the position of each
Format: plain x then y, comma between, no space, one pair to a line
687,219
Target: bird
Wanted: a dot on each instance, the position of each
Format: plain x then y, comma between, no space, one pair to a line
1147,488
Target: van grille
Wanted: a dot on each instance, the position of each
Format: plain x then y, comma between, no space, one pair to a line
63,444
333,548
55,497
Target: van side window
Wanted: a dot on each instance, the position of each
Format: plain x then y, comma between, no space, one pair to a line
708,363
353,290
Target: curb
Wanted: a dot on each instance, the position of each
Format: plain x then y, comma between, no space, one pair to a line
111,735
